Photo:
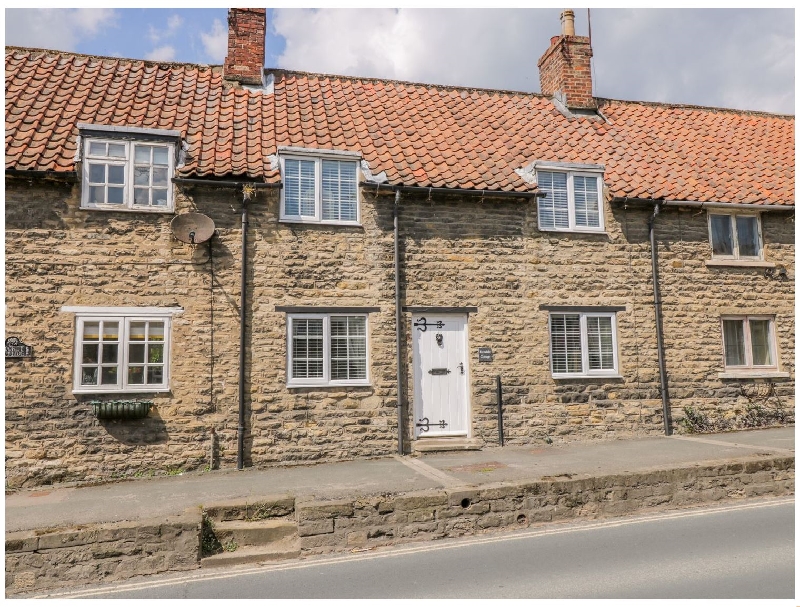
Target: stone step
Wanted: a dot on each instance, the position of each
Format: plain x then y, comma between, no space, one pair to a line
288,548
457,443
254,533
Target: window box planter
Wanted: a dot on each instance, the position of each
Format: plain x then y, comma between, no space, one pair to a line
121,409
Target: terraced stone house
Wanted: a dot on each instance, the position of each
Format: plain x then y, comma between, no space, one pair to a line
226,266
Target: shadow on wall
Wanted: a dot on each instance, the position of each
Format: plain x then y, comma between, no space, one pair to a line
148,431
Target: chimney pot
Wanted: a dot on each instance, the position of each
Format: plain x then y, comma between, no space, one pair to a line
568,23
565,69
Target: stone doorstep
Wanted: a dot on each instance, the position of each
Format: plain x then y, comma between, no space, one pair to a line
255,533
287,548
455,443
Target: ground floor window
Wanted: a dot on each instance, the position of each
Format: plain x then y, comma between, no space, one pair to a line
749,342
583,344
121,352
327,349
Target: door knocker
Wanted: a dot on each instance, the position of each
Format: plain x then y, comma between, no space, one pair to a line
439,339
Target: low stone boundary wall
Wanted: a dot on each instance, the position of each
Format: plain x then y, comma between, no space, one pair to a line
42,559
39,560
330,526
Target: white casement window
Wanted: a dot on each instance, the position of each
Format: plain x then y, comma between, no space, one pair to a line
735,236
327,349
319,190
121,353
573,201
127,175
583,344
749,343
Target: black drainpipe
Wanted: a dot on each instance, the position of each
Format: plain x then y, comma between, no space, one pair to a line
248,191
662,369
398,322
242,323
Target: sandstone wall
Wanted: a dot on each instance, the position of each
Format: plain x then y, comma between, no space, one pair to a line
455,251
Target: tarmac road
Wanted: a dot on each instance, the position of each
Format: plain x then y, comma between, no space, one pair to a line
744,550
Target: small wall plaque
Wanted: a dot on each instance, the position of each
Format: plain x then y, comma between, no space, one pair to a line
16,349
485,355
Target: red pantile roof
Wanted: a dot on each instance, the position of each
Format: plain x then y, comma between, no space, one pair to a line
420,135
49,93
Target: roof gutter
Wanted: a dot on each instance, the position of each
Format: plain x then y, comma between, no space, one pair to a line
68,176
710,205
221,183
454,191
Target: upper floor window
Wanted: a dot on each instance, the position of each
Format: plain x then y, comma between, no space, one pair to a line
735,236
573,201
320,190
127,175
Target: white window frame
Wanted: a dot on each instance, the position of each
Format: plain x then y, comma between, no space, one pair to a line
571,202
129,163
748,346
735,256
124,316
325,380
317,159
585,344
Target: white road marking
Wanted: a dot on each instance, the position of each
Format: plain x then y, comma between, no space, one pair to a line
431,472
711,441
550,529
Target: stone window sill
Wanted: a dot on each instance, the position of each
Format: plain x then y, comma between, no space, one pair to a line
739,263
754,375
584,376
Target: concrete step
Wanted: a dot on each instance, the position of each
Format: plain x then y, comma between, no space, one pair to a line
254,533
288,548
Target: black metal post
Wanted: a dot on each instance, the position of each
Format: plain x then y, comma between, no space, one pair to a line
500,409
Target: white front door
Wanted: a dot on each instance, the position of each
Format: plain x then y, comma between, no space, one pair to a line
441,397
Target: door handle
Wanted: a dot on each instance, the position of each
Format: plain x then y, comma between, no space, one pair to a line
461,366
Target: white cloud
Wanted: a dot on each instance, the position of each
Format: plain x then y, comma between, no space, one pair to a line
215,42
61,29
161,53
174,23
727,58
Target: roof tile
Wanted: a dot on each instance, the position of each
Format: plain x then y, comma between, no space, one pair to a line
420,135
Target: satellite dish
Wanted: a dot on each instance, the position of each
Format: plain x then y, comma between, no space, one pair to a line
192,228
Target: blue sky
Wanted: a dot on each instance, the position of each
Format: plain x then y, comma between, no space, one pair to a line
136,33
736,58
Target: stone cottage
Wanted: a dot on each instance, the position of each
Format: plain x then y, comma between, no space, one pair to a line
226,266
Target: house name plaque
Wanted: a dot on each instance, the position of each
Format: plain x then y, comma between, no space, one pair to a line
16,349
485,355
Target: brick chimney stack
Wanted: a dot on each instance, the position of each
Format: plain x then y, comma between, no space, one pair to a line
566,67
247,30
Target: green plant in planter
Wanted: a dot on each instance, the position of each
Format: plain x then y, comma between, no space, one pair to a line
121,409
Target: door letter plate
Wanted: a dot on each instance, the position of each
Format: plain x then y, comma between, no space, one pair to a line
439,371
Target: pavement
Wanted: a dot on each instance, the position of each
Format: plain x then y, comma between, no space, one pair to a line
149,498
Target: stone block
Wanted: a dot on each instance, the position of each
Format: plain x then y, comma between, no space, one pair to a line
321,510
315,527
419,500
